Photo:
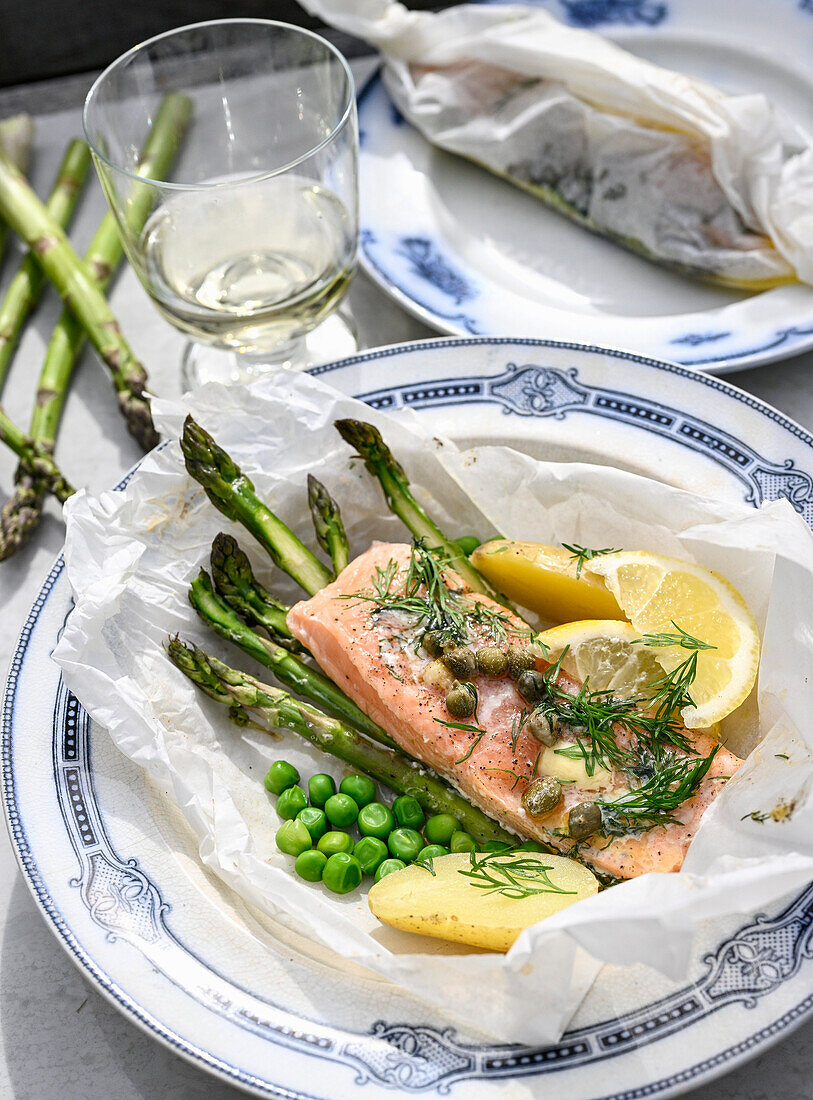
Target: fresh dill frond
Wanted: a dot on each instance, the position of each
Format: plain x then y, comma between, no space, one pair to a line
654,802
583,554
680,638
513,875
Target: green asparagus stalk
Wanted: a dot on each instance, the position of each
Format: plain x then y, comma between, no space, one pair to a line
26,215
15,141
382,464
327,522
21,513
233,494
287,667
239,588
26,285
273,708
35,459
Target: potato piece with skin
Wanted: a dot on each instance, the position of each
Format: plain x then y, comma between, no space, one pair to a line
543,578
450,906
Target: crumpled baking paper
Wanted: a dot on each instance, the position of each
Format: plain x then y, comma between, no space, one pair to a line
130,558
717,183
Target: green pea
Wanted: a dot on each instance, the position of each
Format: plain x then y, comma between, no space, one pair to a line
495,846
440,828
314,821
371,853
309,865
290,802
375,819
334,842
341,810
468,543
320,787
293,838
387,867
432,851
530,846
407,812
281,775
342,873
360,788
462,842
405,844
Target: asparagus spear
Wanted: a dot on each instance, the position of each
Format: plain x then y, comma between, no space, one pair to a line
26,285
382,464
327,522
21,512
233,494
26,215
35,459
15,141
273,708
287,667
239,588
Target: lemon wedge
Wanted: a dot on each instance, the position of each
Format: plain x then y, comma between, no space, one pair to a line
607,653
658,593
543,579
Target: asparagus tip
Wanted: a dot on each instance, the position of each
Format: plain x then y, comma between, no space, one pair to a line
369,443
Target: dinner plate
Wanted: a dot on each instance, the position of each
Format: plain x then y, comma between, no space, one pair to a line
113,866
467,252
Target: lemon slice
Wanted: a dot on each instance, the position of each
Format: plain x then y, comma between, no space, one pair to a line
543,579
607,653
656,593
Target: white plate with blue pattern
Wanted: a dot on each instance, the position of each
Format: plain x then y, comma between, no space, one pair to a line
114,871
467,253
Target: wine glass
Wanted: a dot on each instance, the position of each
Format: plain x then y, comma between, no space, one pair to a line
251,244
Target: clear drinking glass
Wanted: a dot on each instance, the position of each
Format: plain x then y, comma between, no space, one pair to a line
251,243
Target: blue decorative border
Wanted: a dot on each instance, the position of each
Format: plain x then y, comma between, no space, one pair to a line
121,899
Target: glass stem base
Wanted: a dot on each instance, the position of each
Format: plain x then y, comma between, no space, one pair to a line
335,338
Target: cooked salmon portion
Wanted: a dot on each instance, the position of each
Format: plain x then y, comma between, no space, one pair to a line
370,644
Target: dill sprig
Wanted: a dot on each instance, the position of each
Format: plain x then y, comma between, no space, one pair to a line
433,603
513,875
653,803
680,638
466,728
583,554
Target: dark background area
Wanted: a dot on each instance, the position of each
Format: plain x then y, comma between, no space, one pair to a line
42,38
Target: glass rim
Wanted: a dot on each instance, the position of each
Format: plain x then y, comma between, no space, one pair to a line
255,177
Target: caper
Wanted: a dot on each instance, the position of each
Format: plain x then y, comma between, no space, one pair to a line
461,662
532,686
461,701
541,795
435,641
584,820
544,727
492,661
519,659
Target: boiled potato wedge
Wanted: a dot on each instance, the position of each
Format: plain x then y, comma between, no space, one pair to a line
543,578
451,906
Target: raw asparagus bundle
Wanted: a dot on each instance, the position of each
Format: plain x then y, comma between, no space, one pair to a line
21,513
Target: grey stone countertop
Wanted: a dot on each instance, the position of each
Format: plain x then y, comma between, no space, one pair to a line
58,1036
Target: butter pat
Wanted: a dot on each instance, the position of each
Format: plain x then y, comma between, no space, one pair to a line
572,769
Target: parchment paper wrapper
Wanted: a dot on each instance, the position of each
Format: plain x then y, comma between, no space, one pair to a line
668,164
132,554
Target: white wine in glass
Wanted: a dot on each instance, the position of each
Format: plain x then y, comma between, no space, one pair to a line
252,245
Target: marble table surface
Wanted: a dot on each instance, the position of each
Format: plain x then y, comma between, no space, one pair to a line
58,1036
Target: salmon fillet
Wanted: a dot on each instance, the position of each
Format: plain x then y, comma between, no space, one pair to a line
376,657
